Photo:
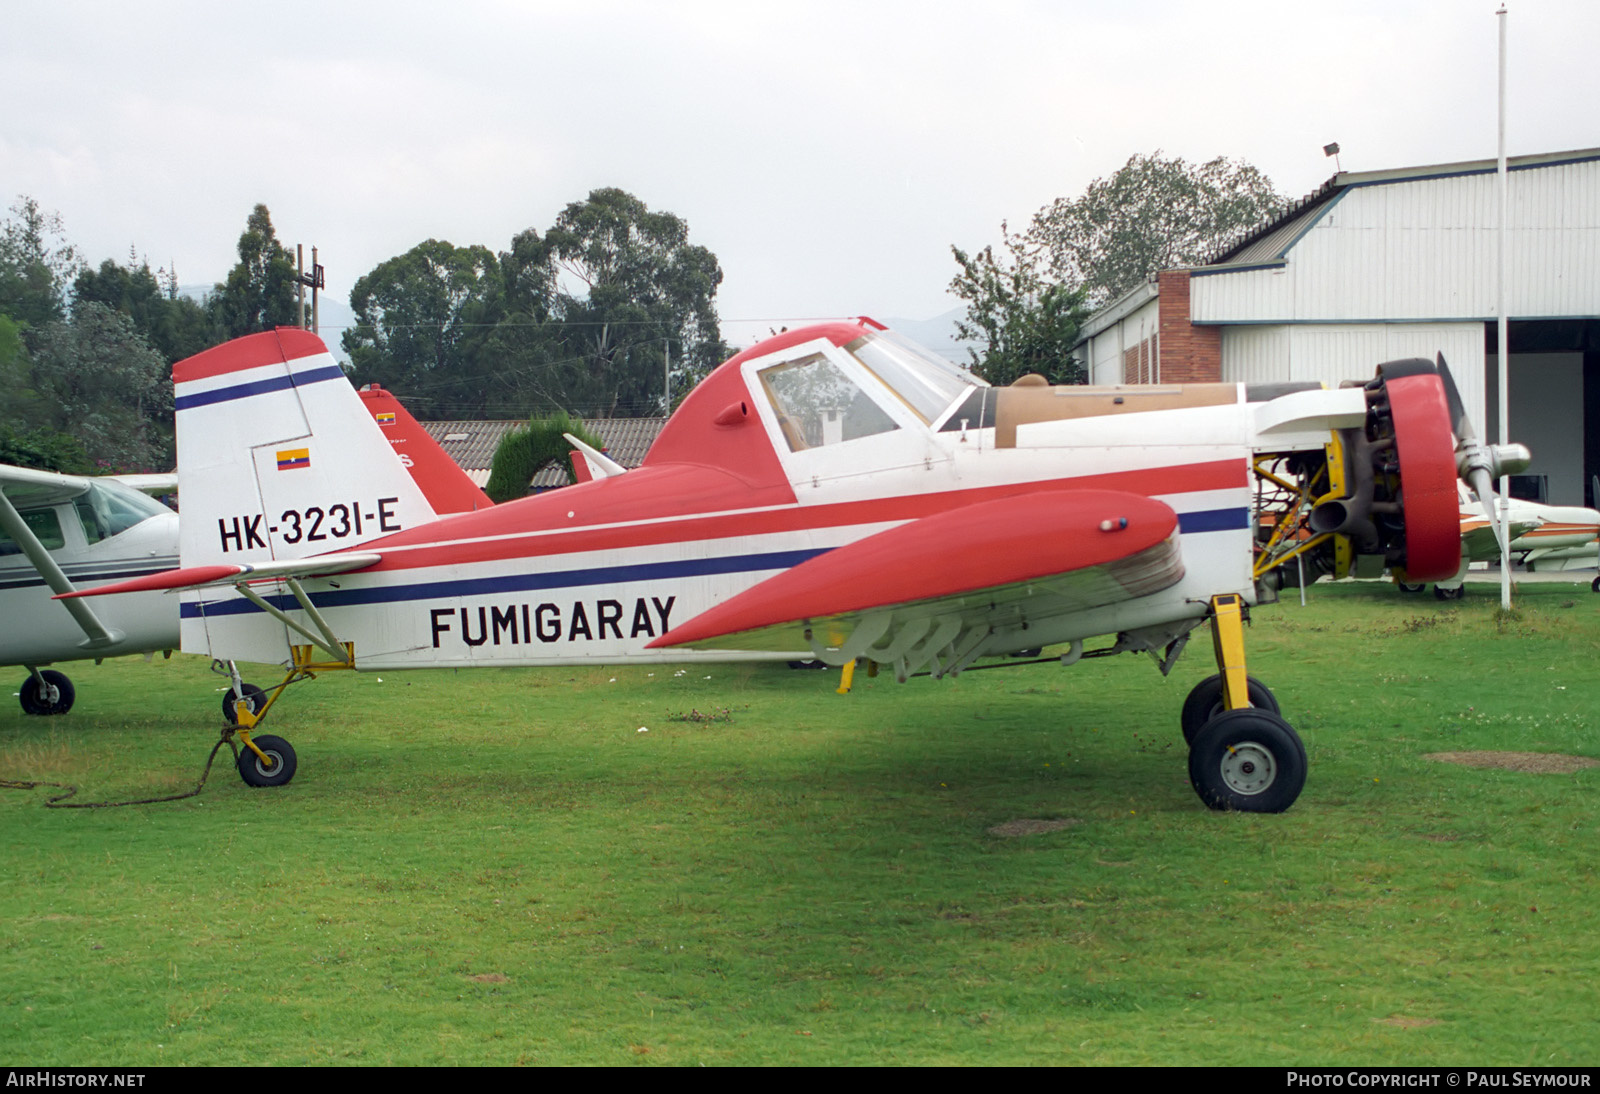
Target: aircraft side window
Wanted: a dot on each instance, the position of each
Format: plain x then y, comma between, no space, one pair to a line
45,526
817,404
94,527
111,508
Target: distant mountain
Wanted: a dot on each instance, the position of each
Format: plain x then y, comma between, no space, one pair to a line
937,334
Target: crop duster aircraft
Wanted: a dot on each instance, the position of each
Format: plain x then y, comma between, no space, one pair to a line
61,533
835,493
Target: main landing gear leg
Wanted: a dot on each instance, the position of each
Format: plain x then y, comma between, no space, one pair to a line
266,760
1242,754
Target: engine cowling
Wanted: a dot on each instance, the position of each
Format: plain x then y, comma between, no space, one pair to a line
1383,496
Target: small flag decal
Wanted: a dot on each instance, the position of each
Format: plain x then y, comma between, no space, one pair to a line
291,458
386,417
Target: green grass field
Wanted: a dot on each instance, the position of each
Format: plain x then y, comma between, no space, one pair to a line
499,867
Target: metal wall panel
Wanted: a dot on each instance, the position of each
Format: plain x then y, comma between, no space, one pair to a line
1426,249
1333,353
1106,348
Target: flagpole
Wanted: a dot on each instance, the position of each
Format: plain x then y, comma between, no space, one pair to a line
1504,342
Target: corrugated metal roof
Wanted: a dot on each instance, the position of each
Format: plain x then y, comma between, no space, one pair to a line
1268,242
473,444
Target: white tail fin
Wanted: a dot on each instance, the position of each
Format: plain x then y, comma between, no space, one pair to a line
278,458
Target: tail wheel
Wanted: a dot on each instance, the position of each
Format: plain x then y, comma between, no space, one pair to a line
278,767
253,695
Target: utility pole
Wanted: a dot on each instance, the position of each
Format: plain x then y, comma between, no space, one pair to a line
315,279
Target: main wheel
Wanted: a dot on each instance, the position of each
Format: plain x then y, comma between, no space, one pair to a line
1205,703
54,696
1442,593
1408,587
1594,586
1247,760
252,694
254,771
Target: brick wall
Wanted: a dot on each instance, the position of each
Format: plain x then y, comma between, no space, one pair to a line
1138,363
1189,354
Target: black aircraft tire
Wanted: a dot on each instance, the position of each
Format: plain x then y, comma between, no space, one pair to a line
256,773
1407,587
1594,586
1205,703
1441,593
1248,761
256,697
32,695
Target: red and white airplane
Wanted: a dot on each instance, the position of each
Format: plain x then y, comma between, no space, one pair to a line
833,493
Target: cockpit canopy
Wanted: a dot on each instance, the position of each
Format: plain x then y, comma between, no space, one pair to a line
105,509
818,403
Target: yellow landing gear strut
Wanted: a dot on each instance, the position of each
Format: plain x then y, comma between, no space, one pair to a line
266,760
1242,755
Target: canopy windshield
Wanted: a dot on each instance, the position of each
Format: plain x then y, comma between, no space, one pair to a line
926,383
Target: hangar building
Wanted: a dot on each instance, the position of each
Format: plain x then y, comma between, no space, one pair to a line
1380,265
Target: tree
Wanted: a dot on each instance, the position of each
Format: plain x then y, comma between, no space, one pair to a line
525,451
629,289
36,264
260,291
44,449
422,317
176,326
1154,214
101,383
580,319
1024,322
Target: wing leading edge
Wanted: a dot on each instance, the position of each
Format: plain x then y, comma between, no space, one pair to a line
932,591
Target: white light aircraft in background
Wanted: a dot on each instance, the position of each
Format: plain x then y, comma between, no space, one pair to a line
1539,533
832,493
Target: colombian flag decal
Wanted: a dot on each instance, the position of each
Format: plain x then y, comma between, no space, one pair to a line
386,417
291,458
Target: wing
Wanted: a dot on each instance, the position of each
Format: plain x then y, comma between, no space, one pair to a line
29,489
156,484
935,591
1478,541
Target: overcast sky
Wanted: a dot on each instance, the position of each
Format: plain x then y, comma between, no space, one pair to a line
829,154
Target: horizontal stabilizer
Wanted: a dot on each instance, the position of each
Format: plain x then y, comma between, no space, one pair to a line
197,577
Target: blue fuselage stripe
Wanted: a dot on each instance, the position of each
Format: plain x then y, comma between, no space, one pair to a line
258,387
519,583
1213,520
